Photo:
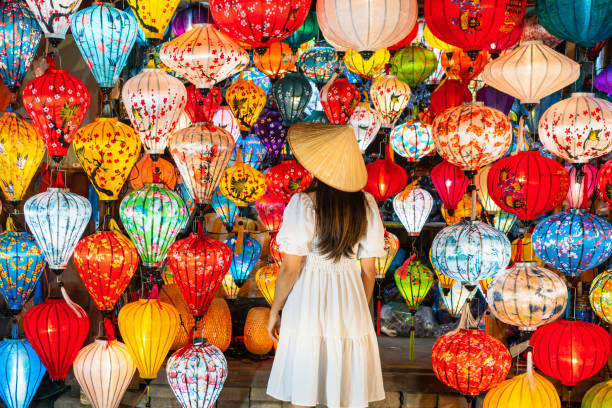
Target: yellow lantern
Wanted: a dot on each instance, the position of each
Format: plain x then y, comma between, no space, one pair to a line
446,283
383,263
266,281
242,184
107,149
246,101
153,15
277,59
436,43
367,67
480,181
22,150
464,210
529,254
148,327
170,293
256,337
230,287
217,324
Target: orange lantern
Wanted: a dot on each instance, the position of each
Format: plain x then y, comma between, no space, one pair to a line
266,281
459,65
144,173
275,253
256,337
242,184
246,101
171,294
230,287
276,60
217,324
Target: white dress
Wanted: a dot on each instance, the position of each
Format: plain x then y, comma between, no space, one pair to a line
327,351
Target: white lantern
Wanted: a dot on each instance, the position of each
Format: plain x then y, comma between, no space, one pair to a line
389,96
413,205
366,123
413,140
54,16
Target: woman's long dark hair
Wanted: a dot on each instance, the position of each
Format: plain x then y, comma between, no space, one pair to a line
341,220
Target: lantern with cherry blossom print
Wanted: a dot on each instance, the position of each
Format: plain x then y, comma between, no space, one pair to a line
412,207
385,178
54,16
204,56
291,93
270,210
318,64
246,100
154,16
287,178
339,99
412,140
272,132
275,253
450,183
389,96
414,64
202,108
366,123
449,94
276,60
57,103
245,254
604,183
224,119
581,186
578,128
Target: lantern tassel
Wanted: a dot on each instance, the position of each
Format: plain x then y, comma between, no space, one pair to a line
75,308
467,321
109,331
411,349
530,379
378,307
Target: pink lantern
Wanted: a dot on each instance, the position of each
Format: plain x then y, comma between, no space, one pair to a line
225,119
582,185
270,209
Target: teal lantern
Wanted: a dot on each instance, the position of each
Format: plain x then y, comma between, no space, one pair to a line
291,93
153,216
414,64
319,64
245,254
226,209
317,116
307,31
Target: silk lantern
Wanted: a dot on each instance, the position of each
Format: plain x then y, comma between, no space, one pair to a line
256,338
494,98
272,132
573,241
389,97
318,64
253,74
251,150
224,118
153,216
217,324
600,296
225,208
21,264
201,108
57,219
245,256
449,94
450,183
171,294
154,16
201,153
19,38
463,210
434,42
53,17
107,149
581,186
385,178
105,36
589,122
604,183
527,184
276,60
204,56
57,103
367,67
366,123
598,396
603,80
147,171
454,294
339,99
229,287
270,210
414,64
482,190
242,184
412,140
459,65
412,35
287,178
184,19
246,100
570,350
291,93
382,263
265,278
504,221
413,206
509,40
306,32
275,253
56,328
106,262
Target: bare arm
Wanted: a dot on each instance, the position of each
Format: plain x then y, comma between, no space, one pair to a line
287,275
368,276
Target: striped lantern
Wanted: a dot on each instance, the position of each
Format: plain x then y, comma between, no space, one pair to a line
598,396
291,93
504,221
450,183
230,287
265,278
413,206
414,64
276,60
454,297
367,68
21,372
245,255
482,190
225,119
600,296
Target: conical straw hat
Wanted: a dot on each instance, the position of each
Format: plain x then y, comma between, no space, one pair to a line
330,153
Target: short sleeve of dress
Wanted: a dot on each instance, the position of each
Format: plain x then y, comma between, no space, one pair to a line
372,244
296,234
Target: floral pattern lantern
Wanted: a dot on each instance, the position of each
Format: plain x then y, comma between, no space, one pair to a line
463,210
246,100
57,103
414,64
272,132
276,60
153,15
413,206
389,96
242,184
367,67
246,251
454,294
366,123
449,94
412,140
604,183
339,99
270,210
201,108
107,149
225,208
291,93
600,296
53,16
105,36
581,186
413,279
578,128
287,178
382,264
573,241
318,64
275,254
385,178
450,183
459,65
266,281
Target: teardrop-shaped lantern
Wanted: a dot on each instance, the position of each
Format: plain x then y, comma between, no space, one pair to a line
318,64
454,294
339,98
270,210
246,100
229,287
226,209
413,279
265,278
272,132
389,96
291,93
287,178
412,140
414,64
201,108
385,178
412,206
450,183
366,123
252,150
153,15
22,374
581,186
245,255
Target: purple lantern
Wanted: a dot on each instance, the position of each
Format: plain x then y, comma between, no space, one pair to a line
270,129
495,99
184,19
603,81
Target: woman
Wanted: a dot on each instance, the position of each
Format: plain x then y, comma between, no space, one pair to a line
327,350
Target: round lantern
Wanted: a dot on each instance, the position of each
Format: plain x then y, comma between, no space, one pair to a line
413,206
570,350
482,189
287,178
494,98
472,135
587,119
385,178
242,184
318,64
56,329
57,219
171,294
19,38
469,251
581,186
449,94
53,17
458,64
339,98
147,171
105,36
153,216
200,108
412,140
603,81
598,396
229,287
148,328
504,221
184,19
291,93
252,150
414,64
196,374
389,96
266,281
23,371
600,296
527,184
106,262
246,100
256,338
154,16
527,296
226,209
201,153
245,254
270,210
57,103
470,361
450,183
276,60
366,123
573,241
272,132
204,56
454,294
367,67
604,183
107,149
462,210
216,326
307,32
413,279
104,370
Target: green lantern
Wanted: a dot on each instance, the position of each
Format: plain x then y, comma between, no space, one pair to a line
317,116
414,64
292,93
307,31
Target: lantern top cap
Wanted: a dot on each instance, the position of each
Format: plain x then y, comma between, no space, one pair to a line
586,94
531,42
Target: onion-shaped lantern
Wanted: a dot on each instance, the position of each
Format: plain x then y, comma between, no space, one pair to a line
291,93
246,252
229,287
412,140
200,108
287,178
147,171
482,190
225,208
600,295
449,94
389,96
366,123
385,178
246,100
54,16
573,241
276,60
458,64
382,264
414,64
598,396
153,216
367,67
496,99
252,151
217,324
581,186
107,149
318,64
270,210
454,294
224,118
242,184
339,99
184,19
413,279
266,281
450,183
153,15
504,221
412,206
272,132
307,31
463,210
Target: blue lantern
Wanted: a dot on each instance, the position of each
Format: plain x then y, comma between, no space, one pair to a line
244,257
573,241
105,36
19,38
21,263
469,251
259,78
314,103
253,151
318,64
225,208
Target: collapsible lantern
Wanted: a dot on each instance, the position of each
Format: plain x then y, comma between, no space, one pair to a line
22,374
449,94
275,253
147,171
587,119
229,287
287,178
600,296
414,64
318,64
598,396
171,294
291,93
469,251
53,17
200,108
527,296
307,32
256,338
19,38
251,149
276,60
454,294
57,103
389,96
105,36
604,183
107,149
570,350
573,241
459,65
154,16
413,206
245,254
106,262
366,123
201,153
153,216
270,210
271,131
246,100
57,219
482,190
385,178
196,374
367,68
224,118
463,210
470,361
265,278
527,184
504,221
581,186
496,99
412,140
603,80
217,324
198,264
472,135
242,184
450,183
226,209
184,19
339,99
413,279
56,329
204,56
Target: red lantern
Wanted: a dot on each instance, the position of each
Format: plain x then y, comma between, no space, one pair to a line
458,65
450,183
385,178
470,361
57,103
449,94
275,253
198,264
259,22
106,262
406,40
570,350
202,108
604,183
270,209
56,329
287,178
527,184
339,99
473,25
508,40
